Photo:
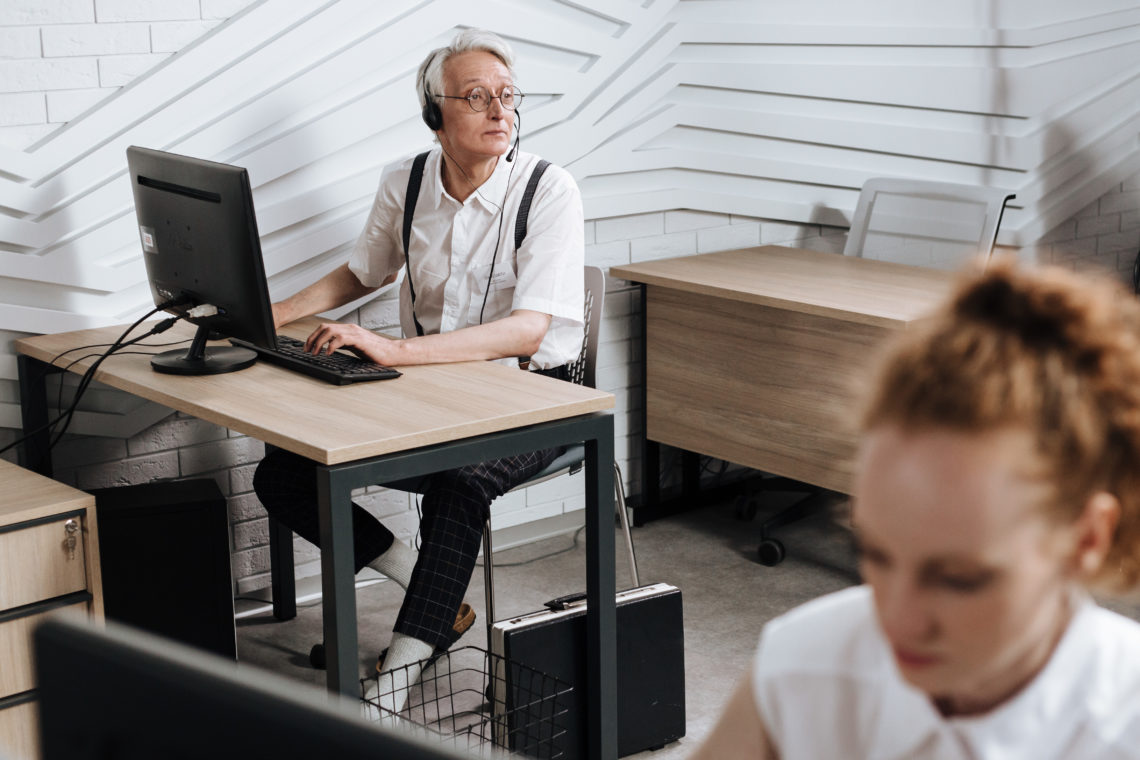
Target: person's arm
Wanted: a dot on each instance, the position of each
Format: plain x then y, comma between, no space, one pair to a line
336,288
740,731
519,334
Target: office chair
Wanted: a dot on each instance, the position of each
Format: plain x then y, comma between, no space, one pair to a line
583,371
936,225
929,224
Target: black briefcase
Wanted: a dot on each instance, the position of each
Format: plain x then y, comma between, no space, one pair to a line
650,667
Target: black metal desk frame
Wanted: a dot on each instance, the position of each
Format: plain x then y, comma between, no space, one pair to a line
335,484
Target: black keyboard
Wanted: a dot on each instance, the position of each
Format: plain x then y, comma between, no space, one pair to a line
339,367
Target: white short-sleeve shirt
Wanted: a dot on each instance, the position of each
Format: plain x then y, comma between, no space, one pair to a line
827,686
453,244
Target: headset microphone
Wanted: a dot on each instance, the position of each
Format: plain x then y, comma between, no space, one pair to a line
518,131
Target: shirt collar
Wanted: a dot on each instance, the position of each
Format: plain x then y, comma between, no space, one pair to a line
489,194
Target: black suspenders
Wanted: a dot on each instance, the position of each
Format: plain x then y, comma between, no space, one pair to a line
528,196
409,211
413,196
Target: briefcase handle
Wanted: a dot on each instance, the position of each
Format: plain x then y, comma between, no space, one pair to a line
566,602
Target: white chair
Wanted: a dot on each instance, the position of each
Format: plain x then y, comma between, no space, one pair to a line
584,372
929,224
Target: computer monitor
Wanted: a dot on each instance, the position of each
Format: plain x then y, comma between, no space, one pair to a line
203,256
121,694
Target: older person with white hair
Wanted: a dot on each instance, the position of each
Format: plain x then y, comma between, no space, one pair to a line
468,294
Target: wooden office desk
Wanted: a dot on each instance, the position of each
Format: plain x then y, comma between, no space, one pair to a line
433,418
751,356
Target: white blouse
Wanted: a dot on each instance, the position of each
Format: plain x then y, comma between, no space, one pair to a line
827,687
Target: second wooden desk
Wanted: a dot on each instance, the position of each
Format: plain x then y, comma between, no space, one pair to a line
751,356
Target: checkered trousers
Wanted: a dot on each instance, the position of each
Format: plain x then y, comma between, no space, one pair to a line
455,505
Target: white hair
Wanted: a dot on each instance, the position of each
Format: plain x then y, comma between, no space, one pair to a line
429,79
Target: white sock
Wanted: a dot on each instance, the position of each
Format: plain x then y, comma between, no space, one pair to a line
397,563
401,671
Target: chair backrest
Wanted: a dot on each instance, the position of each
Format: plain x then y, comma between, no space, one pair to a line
582,369
931,224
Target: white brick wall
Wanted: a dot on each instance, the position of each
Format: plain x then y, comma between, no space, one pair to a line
222,9
21,108
59,58
19,42
109,11
76,40
21,12
1105,235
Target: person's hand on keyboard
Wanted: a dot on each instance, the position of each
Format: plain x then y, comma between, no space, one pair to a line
364,343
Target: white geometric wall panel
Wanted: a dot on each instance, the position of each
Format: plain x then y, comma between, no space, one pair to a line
767,109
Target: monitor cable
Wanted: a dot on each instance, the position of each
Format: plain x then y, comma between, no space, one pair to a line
88,376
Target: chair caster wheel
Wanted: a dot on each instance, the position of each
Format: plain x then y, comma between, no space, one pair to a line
745,508
317,656
771,552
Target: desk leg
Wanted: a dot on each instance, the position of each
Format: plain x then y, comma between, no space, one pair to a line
337,582
281,570
649,505
34,453
601,626
650,450
690,475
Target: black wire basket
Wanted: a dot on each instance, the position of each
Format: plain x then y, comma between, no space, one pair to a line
477,701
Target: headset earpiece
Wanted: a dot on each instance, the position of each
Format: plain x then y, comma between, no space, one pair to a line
432,114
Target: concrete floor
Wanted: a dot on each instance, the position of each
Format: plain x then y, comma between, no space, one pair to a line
708,553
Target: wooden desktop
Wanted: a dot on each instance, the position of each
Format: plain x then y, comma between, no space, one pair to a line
432,418
753,356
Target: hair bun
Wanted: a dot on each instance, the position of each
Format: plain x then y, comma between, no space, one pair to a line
1041,309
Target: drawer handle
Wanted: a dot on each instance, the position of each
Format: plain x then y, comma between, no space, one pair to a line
71,528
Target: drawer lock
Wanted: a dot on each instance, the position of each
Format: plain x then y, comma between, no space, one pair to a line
71,527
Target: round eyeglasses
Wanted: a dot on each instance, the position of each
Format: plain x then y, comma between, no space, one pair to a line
480,98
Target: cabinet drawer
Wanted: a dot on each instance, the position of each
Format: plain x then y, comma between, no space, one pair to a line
16,671
19,732
37,563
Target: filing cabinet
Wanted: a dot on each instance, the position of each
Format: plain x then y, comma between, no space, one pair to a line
49,561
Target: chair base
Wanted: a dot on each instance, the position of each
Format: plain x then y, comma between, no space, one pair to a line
770,551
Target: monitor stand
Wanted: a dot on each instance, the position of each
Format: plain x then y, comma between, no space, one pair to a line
201,359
